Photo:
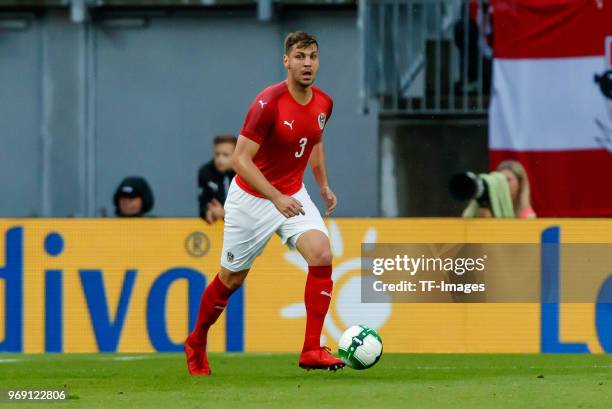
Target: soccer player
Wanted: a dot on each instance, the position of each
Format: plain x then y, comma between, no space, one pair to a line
281,134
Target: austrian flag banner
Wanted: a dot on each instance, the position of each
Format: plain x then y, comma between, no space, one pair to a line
552,101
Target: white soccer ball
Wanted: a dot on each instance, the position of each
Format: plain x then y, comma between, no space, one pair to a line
360,347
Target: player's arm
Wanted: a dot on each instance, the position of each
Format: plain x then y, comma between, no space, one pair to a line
317,164
243,165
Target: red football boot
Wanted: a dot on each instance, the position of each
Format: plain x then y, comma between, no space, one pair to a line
197,363
320,358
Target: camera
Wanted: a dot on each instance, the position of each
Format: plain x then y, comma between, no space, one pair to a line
469,186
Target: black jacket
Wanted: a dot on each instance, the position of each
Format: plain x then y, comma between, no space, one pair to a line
213,185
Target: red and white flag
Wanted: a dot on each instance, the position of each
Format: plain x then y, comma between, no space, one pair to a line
551,107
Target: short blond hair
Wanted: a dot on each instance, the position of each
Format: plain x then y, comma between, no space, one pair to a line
225,139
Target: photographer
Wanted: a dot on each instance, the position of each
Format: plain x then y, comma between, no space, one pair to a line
506,194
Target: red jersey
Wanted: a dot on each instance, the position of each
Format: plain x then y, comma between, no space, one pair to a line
286,132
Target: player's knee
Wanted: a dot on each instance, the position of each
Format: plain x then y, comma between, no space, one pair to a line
235,282
323,256
232,280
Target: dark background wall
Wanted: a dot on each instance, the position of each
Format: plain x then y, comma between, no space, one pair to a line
425,154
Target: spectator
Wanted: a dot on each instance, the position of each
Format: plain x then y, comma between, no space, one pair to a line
214,179
518,183
133,197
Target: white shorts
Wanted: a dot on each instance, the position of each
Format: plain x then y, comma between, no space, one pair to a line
250,221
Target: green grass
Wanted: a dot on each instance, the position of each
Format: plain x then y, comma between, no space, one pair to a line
242,381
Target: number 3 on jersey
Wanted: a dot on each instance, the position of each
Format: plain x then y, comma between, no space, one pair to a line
303,143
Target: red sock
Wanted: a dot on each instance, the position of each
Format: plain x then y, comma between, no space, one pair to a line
317,296
213,302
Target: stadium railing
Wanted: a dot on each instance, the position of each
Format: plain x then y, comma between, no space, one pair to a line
412,62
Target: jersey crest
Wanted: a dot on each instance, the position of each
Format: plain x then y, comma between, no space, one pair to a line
322,118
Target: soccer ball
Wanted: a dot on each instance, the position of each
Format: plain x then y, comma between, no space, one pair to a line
360,347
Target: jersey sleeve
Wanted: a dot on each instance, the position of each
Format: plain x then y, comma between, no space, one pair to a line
259,119
329,111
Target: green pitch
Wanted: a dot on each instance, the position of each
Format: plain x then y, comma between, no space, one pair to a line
242,381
